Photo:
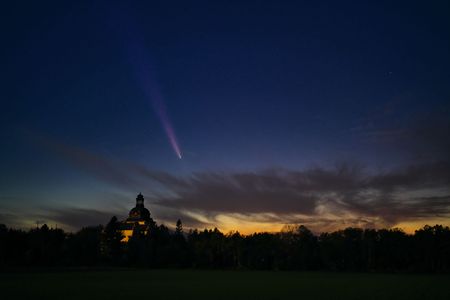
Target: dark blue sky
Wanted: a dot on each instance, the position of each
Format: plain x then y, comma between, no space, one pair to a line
247,86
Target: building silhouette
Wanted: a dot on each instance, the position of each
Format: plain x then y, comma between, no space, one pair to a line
138,222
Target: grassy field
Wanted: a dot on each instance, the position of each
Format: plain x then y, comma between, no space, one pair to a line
169,284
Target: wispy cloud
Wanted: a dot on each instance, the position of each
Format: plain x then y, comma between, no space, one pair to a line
321,197
423,136
104,168
395,196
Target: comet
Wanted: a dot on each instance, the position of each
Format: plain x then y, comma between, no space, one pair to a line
169,130
144,72
139,58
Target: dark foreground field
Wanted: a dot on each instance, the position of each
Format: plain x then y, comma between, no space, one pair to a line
167,284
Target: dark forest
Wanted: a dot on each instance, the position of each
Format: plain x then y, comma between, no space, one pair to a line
294,248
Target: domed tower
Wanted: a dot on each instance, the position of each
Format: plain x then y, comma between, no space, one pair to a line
138,220
139,213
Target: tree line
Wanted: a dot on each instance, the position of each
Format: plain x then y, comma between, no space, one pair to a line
293,248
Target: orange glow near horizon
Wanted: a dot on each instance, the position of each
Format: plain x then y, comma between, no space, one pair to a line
411,226
258,223
230,223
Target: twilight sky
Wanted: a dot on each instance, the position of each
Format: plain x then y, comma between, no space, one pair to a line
328,114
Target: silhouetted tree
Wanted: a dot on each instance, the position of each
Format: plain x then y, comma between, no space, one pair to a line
45,246
83,247
294,248
433,248
3,246
179,227
111,242
261,251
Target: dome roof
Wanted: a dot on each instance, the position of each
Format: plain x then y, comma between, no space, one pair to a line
139,213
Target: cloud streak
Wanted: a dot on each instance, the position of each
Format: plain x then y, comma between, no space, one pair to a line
346,194
106,169
420,191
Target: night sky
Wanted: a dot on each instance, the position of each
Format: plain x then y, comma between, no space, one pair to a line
324,114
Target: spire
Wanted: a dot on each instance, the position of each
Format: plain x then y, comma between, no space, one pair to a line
139,200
